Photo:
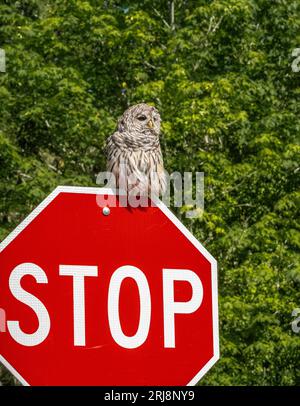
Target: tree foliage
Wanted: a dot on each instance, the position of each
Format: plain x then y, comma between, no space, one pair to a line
220,74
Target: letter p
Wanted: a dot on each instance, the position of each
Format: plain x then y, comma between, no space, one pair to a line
171,307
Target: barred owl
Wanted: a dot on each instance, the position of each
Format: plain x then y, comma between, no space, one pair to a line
134,154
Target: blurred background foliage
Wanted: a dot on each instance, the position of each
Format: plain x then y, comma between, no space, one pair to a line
220,73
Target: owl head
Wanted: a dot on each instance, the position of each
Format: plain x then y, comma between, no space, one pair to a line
141,119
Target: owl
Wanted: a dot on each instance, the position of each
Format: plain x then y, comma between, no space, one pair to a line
134,154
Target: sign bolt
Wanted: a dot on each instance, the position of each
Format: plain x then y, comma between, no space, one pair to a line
106,211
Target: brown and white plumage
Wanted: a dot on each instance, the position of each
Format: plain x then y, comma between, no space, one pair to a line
134,154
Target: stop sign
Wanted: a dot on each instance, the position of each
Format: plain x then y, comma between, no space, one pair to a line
121,296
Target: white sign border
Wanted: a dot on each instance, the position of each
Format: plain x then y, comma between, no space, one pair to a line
178,224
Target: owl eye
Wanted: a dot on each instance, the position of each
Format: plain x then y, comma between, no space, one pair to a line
142,118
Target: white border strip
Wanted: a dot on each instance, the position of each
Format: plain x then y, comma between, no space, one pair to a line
178,224
13,371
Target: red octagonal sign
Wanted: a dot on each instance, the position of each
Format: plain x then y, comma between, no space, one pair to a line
122,296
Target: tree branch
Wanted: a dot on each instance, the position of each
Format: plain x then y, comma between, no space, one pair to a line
160,16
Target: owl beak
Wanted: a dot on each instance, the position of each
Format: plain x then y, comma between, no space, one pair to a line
150,124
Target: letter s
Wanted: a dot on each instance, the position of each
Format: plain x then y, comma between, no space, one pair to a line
34,303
